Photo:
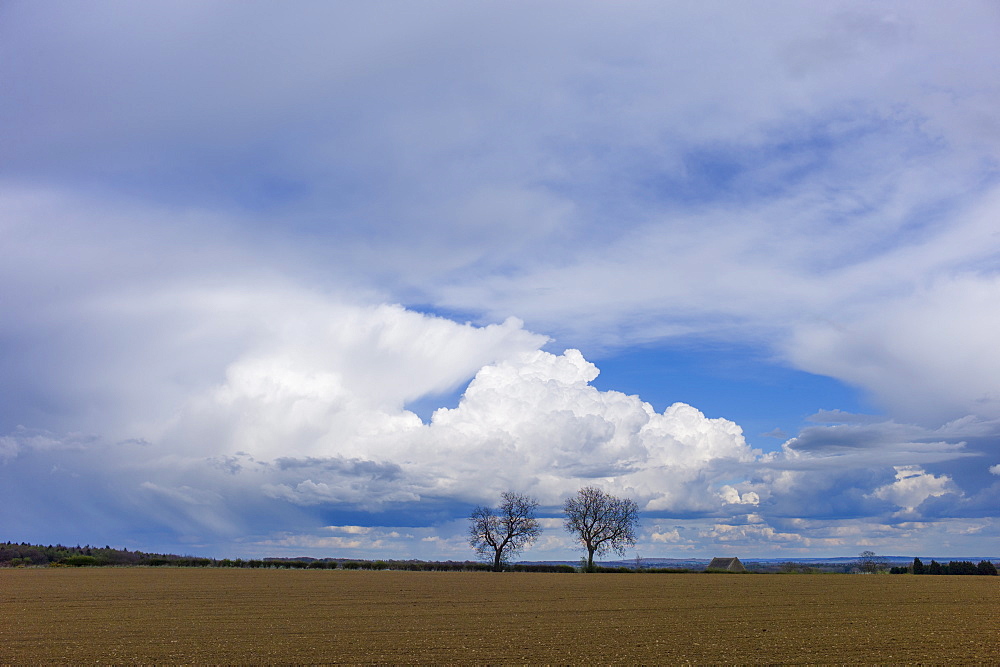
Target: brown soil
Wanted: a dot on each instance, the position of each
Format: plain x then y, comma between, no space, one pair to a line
175,615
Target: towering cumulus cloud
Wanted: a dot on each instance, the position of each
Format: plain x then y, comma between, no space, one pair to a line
540,425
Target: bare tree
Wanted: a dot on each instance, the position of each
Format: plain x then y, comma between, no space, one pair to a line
498,534
601,522
871,563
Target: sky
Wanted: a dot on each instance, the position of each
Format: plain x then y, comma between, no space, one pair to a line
318,278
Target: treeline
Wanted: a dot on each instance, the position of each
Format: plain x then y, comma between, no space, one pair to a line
23,554
408,565
984,567
13,554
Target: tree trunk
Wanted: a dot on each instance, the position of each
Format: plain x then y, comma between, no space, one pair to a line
497,564
590,559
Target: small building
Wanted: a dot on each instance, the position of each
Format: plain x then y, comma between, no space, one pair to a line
727,564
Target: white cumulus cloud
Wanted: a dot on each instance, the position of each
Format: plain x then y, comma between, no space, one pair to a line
913,486
537,423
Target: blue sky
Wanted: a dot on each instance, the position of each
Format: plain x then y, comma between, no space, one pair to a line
317,278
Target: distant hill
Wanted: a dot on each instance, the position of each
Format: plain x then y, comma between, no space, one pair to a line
13,554
832,564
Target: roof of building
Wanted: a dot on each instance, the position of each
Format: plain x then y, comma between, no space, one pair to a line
726,564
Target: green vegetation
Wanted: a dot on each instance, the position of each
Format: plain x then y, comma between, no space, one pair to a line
24,554
955,567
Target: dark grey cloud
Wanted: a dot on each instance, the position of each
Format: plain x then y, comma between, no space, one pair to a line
835,494
893,443
983,504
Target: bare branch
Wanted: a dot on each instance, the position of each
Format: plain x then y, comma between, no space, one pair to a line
601,522
499,534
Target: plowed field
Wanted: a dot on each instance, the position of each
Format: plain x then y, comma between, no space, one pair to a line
168,615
